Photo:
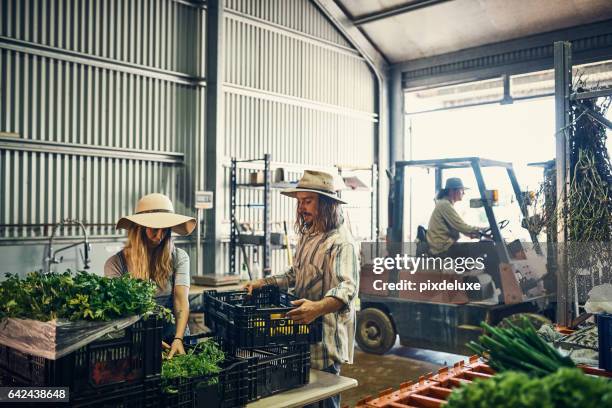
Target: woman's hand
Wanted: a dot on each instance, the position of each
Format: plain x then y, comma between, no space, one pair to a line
175,348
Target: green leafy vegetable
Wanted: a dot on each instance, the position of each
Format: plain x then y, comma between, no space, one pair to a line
201,360
566,388
76,296
520,349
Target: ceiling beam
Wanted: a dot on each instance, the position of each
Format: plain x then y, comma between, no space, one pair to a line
590,43
394,11
354,35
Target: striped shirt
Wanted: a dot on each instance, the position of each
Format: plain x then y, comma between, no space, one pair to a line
327,264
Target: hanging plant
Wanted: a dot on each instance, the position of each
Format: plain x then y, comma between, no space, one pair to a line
589,199
588,212
542,208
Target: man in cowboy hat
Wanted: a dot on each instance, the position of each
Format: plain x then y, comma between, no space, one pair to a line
445,223
324,274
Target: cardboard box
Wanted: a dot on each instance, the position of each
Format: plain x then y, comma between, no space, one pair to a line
257,178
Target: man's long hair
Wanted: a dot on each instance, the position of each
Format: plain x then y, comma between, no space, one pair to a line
145,262
329,217
443,193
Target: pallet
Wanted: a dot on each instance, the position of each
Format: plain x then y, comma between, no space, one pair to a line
432,390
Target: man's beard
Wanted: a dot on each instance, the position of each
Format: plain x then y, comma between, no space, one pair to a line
309,226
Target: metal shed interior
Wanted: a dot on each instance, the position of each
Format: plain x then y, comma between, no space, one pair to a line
103,101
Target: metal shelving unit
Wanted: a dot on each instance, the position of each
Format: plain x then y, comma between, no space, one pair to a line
264,240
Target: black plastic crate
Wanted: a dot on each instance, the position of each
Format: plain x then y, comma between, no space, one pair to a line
272,369
276,369
257,320
144,395
121,361
604,329
231,387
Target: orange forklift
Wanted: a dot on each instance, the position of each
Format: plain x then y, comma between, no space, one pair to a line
513,281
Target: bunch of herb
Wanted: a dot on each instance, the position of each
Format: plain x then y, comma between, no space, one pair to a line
566,388
572,388
203,359
76,296
519,348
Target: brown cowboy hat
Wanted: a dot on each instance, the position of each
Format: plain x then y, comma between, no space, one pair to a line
156,211
315,182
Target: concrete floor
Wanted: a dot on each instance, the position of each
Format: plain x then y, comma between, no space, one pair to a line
376,373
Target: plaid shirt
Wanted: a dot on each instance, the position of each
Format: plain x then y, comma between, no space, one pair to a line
327,265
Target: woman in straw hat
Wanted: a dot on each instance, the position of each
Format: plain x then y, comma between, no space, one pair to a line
151,254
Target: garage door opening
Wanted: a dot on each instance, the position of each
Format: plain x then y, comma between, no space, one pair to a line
510,119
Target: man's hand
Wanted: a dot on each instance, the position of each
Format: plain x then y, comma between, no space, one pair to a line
256,284
478,233
306,312
474,235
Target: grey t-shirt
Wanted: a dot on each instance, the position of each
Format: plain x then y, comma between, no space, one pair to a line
112,269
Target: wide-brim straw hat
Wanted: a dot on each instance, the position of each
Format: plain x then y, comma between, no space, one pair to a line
315,182
157,211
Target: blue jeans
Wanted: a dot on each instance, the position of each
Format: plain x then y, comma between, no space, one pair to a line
331,402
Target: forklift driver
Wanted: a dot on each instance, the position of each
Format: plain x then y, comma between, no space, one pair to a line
445,224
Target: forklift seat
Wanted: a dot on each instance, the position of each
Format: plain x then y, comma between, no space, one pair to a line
421,233
422,248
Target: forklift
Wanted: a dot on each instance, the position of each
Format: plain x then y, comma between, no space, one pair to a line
511,284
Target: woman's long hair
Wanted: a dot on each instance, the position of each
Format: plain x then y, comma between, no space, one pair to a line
329,217
146,263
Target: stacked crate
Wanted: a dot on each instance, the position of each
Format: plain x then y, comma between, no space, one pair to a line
120,370
256,329
227,388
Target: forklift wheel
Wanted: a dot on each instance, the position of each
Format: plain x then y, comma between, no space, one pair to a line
375,332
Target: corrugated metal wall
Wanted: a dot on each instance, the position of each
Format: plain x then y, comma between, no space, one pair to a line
101,101
300,16
294,88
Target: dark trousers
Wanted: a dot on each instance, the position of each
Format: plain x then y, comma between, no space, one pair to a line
331,402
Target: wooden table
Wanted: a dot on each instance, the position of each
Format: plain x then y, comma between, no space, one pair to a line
322,385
